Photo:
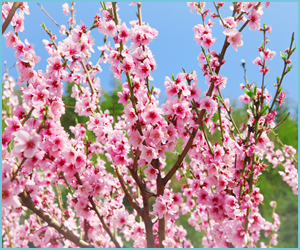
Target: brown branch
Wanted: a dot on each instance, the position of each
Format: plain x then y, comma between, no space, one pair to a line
137,155
146,208
102,54
19,168
106,228
73,15
161,222
59,197
91,86
140,13
28,202
7,21
42,8
219,14
128,195
113,239
86,230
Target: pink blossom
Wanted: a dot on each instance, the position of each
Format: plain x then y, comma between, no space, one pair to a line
127,64
136,139
169,243
234,37
159,208
244,98
289,151
267,54
208,41
110,28
209,105
229,21
152,114
124,33
148,153
258,61
11,39
26,143
254,18
66,9
54,66
10,194
151,172
239,237
18,21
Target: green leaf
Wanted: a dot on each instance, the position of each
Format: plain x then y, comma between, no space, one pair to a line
282,55
249,92
43,26
289,68
246,91
252,109
152,88
173,77
278,78
264,110
219,98
255,88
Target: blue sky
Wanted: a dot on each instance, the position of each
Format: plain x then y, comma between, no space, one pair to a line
175,48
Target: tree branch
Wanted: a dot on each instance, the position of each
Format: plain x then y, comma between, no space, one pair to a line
10,16
128,195
106,228
28,202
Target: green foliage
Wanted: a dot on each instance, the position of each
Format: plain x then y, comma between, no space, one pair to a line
109,101
275,189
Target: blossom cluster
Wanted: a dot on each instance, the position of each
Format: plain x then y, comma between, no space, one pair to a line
128,156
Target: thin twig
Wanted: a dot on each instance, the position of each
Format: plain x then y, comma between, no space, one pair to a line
42,8
217,9
281,121
133,203
28,202
91,86
95,208
73,15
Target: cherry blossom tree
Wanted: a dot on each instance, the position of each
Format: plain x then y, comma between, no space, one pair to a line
40,159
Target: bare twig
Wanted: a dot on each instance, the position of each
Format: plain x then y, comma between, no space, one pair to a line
51,17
